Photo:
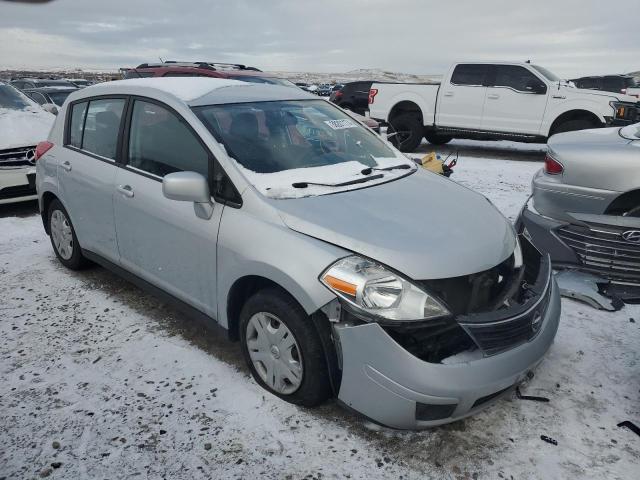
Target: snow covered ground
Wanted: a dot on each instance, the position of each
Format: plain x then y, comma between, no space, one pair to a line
100,380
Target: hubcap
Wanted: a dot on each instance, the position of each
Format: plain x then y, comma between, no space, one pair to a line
274,353
61,234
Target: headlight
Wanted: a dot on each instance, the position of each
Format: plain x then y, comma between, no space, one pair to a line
378,292
623,110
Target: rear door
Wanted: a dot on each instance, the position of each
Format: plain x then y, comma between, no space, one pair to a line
512,106
162,240
87,171
461,100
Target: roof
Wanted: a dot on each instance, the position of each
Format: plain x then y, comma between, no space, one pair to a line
197,91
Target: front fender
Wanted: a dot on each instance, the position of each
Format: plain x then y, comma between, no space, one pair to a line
600,109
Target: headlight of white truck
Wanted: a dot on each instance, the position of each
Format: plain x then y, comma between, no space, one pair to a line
377,292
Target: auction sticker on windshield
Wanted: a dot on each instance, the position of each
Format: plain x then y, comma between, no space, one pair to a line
340,124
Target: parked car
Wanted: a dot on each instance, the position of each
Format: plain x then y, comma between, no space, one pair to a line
624,84
324,90
205,69
26,83
22,125
495,101
80,82
50,98
346,284
352,96
585,206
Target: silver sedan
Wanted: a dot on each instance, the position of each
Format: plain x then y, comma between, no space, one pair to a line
585,205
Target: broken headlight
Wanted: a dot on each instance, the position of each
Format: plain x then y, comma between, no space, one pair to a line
379,293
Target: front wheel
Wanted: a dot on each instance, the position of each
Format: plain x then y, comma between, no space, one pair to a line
573,125
405,132
283,350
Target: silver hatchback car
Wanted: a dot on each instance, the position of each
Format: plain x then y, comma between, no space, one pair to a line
306,237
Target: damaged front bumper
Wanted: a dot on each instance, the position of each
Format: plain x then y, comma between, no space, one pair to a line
390,384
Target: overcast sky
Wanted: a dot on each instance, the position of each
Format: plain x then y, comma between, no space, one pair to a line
414,36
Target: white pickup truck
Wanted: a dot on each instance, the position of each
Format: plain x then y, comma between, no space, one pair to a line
494,101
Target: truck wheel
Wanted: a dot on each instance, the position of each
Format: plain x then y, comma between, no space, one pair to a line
283,349
405,132
437,138
573,125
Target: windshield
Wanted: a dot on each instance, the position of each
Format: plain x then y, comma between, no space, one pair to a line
59,97
270,80
631,132
303,137
11,98
552,77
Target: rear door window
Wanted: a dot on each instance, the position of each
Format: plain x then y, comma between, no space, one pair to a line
161,143
513,76
469,74
102,125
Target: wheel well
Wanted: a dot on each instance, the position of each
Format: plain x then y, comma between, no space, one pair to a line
574,115
405,107
239,293
47,198
624,203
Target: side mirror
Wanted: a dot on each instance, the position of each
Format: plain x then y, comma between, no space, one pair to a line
51,108
189,187
538,88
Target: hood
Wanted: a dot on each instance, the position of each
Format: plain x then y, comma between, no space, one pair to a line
598,93
423,225
22,128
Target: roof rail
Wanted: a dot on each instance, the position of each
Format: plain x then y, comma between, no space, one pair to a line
207,65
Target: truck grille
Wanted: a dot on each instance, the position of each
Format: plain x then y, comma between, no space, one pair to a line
17,157
602,250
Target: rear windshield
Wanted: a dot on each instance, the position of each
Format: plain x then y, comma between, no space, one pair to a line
54,83
632,132
12,99
59,97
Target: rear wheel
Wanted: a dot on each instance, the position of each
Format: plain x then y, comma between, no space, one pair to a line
437,138
405,132
283,350
63,238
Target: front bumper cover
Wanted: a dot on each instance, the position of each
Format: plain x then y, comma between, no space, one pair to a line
391,386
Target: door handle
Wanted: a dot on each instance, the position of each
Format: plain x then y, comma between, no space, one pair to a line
66,166
493,96
448,94
126,190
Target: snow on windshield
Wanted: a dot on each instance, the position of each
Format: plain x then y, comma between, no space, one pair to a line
632,132
290,149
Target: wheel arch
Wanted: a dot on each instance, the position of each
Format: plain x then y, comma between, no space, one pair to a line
575,114
623,202
406,106
45,202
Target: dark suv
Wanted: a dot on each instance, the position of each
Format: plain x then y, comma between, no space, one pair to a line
607,83
353,96
233,71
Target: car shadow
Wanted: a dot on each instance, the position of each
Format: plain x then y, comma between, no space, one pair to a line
20,209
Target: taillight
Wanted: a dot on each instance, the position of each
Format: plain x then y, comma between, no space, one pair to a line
338,95
42,148
552,166
372,94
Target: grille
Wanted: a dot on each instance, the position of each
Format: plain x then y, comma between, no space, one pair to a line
602,250
17,157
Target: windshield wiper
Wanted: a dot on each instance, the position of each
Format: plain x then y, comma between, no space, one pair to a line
402,166
343,184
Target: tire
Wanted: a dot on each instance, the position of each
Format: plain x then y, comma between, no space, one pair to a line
305,382
405,132
63,237
573,125
437,138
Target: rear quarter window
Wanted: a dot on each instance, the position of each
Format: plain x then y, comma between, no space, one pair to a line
76,124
